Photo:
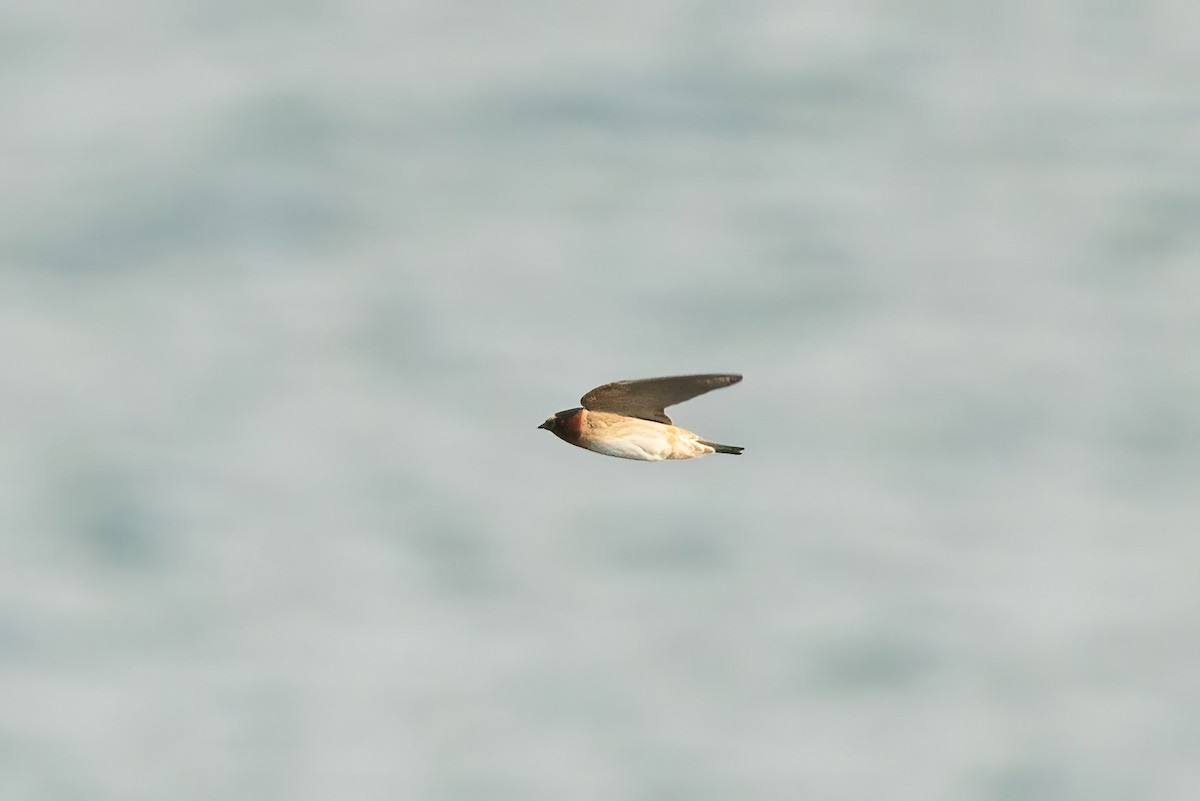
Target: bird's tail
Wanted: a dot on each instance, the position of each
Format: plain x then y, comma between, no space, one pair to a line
734,449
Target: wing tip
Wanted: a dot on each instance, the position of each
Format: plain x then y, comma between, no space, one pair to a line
722,379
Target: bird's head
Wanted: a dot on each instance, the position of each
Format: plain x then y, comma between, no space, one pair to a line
564,425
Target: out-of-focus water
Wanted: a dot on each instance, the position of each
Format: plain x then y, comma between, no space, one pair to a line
286,288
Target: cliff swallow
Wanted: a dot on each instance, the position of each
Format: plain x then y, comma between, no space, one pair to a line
626,419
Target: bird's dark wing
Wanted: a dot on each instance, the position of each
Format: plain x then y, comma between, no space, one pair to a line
647,397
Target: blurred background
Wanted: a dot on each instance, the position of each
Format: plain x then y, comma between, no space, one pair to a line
285,289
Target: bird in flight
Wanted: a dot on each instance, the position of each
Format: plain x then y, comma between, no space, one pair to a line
626,419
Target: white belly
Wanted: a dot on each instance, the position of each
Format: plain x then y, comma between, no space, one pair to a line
649,442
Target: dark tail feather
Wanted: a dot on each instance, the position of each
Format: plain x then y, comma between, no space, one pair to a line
734,449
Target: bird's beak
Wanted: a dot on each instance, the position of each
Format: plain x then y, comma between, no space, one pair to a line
545,425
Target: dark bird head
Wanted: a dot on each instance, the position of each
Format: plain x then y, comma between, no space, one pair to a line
564,425
556,421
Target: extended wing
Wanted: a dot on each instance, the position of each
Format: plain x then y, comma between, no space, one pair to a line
648,397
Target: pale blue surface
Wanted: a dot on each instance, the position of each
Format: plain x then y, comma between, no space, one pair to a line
286,288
